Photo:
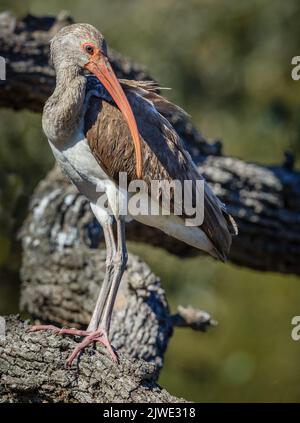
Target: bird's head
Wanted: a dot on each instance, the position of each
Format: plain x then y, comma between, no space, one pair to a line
82,47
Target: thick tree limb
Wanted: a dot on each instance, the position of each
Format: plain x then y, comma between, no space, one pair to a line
264,200
32,369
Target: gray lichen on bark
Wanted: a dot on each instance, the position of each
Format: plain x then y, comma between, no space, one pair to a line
32,370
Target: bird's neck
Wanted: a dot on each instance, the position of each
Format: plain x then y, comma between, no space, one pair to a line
63,110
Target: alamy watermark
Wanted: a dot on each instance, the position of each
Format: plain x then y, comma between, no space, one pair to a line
296,69
158,197
295,334
2,328
2,69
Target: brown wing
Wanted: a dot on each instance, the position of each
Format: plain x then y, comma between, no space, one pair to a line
164,156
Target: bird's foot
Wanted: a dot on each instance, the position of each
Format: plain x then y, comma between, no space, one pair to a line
99,335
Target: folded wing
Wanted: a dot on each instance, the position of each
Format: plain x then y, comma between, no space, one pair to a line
164,155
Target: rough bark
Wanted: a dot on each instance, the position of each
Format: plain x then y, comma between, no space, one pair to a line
32,369
265,201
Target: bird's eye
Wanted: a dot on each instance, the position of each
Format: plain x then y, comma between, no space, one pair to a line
89,49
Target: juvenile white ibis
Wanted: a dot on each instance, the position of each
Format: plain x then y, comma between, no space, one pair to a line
97,127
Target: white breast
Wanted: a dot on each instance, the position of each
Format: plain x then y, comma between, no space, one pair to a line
79,164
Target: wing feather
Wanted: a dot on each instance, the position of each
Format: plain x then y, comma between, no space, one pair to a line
164,155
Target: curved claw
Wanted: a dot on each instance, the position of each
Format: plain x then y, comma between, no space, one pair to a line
97,336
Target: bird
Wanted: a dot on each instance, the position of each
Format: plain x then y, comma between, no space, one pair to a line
99,127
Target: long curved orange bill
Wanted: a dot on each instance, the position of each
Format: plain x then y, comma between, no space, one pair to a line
101,68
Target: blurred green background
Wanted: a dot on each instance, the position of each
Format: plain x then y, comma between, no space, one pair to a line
229,64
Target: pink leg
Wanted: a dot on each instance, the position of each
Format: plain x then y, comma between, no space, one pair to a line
99,326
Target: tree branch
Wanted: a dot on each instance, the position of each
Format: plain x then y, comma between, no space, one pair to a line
189,317
32,369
